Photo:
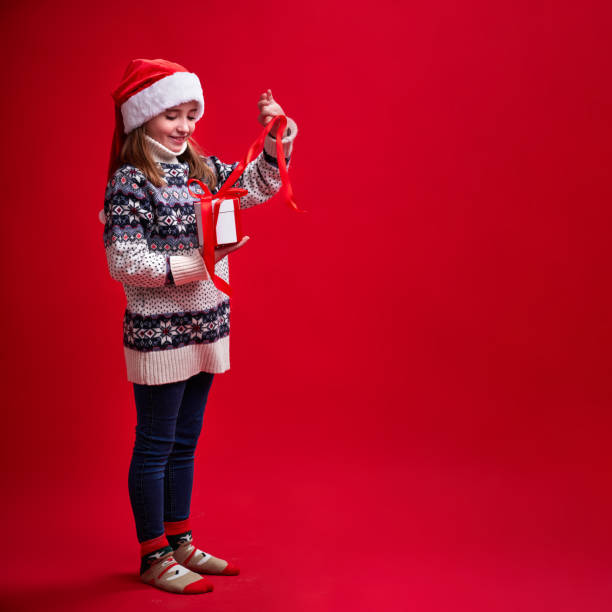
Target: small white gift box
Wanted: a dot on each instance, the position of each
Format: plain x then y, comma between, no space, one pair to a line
228,228
228,221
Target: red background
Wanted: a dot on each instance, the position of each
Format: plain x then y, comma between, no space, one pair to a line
418,411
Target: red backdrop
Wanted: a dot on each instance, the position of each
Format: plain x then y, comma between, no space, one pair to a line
418,410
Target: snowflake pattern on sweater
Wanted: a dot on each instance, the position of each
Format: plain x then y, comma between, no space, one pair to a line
160,332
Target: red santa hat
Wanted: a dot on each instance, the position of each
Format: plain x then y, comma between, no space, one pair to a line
148,88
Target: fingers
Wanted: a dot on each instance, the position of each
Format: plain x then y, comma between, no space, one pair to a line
221,252
264,102
268,107
235,247
241,243
266,97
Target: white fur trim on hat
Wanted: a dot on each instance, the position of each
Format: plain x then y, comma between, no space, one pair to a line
170,91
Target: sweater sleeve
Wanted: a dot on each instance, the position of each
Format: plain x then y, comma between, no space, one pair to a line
132,258
261,177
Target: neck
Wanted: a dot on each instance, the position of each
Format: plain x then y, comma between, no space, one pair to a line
163,154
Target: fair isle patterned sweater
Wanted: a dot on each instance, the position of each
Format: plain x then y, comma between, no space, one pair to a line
176,322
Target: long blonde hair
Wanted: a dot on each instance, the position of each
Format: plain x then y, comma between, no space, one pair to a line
136,153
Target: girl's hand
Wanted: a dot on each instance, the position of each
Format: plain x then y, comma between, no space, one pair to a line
268,109
221,252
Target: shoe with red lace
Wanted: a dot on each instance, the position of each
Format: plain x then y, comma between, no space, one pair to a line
167,574
201,562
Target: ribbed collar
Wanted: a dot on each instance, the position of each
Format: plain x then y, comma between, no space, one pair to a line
161,153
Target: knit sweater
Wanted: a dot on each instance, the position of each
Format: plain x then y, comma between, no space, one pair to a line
176,322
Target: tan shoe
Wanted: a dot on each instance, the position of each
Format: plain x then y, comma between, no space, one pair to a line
167,574
201,562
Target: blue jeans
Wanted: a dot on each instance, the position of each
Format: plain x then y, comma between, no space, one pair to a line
160,480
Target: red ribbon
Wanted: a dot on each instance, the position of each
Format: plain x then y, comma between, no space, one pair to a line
210,213
286,190
210,216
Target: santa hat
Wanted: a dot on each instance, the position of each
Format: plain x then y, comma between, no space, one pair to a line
148,88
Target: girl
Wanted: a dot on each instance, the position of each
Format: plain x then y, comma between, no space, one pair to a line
176,324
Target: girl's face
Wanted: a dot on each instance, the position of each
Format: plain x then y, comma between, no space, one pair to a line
174,126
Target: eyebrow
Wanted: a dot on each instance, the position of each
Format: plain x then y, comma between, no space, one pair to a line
176,110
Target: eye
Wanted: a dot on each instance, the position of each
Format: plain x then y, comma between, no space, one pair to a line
170,118
191,118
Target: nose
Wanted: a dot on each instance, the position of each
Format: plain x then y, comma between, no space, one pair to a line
183,126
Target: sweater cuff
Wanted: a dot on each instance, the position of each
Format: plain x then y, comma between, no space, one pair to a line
270,143
188,268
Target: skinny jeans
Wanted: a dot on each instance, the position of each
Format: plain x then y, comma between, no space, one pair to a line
160,479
